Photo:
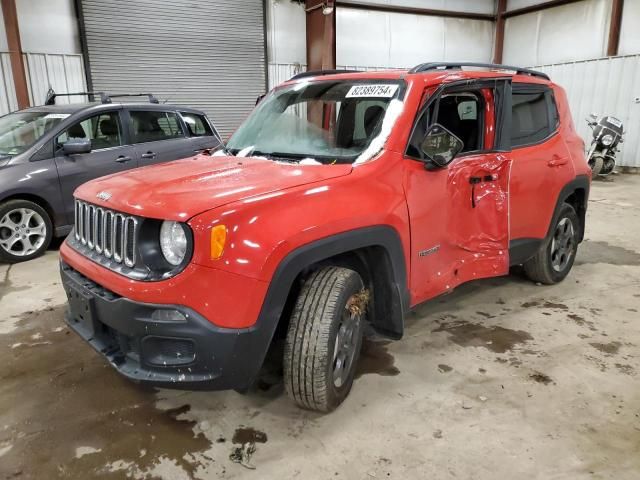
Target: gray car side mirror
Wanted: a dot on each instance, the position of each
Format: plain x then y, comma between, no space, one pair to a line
76,146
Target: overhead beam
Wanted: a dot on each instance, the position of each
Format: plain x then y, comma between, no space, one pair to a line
617,6
15,52
415,10
498,45
538,7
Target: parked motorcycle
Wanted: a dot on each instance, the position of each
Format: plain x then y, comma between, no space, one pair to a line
607,135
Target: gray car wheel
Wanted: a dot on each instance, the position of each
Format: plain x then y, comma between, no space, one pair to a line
25,231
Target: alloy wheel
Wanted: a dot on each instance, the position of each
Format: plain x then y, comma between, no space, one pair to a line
344,351
562,244
22,232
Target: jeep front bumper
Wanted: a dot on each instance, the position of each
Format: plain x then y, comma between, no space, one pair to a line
177,348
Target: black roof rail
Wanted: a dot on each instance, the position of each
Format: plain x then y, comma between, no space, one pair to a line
319,73
426,67
51,96
104,97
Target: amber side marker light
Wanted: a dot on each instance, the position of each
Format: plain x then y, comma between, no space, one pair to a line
218,239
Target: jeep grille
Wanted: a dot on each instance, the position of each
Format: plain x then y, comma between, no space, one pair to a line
108,233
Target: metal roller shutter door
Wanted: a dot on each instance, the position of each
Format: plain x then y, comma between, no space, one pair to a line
203,54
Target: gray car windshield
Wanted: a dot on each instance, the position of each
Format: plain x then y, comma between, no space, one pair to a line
327,121
20,130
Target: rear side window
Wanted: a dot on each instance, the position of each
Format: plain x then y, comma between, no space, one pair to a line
530,119
153,126
197,125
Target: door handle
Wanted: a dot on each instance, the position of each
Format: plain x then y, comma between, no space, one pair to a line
148,155
557,161
123,159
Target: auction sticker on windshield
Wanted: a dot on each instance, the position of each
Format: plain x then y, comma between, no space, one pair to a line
375,91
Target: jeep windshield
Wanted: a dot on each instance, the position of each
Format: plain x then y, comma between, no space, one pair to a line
327,121
20,130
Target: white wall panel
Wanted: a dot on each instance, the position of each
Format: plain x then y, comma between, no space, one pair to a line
630,31
385,39
8,100
3,34
286,32
571,32
516,4
474,6
48,26
604,86
63,73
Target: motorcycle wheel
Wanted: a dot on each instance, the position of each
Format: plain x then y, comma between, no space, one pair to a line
596,163
608,166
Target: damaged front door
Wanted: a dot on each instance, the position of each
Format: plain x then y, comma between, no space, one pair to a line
460,213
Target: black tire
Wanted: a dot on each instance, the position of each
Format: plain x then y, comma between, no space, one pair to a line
318,316
10,253
596,163
549,266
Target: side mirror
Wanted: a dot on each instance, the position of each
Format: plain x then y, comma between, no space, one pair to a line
440,146
76,146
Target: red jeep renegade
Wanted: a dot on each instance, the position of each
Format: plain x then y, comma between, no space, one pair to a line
344,200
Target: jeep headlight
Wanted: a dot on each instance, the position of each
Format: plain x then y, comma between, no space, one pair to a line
607,139
173,242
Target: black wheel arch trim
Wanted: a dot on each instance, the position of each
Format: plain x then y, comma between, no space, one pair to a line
522,249
320,250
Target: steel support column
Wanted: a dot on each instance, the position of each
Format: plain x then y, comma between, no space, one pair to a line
15,52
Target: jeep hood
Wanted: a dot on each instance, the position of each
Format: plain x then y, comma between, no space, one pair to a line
182,189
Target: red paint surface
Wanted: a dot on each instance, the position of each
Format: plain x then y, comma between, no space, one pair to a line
270,209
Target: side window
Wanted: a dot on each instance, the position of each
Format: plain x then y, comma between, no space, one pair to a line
151,126
103,130
529,118
197,126
460,113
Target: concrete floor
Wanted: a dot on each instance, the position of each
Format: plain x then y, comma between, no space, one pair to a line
501,379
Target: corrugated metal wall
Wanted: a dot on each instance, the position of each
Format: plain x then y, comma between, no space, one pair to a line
208,55
604,86
8,101
63,73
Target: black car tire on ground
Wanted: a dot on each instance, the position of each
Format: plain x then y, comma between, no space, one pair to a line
555,258
28,225
324,339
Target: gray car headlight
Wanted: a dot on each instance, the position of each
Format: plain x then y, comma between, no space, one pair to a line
607,139
173,242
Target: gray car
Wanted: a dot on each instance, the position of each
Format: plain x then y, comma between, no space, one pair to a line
47,152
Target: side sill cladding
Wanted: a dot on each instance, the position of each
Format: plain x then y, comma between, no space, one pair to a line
298,260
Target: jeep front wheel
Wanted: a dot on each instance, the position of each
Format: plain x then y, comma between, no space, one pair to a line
324,338
555,259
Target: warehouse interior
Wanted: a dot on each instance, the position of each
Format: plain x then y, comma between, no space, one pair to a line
499,378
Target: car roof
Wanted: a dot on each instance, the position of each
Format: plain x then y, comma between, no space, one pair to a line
431,76
72,108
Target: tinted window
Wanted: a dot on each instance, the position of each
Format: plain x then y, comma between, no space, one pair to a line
153,126
197,125
530,118
103,130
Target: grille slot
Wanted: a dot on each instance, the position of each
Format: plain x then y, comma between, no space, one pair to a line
108,233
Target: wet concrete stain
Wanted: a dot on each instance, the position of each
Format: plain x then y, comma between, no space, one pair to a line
442,368
244,435
625,368
374,358
555,306
610,348
581,321
530,304
602,252
541,378
7,287
496,339
87,404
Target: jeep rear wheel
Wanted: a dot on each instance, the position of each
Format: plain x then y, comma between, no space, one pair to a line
324,338
554,260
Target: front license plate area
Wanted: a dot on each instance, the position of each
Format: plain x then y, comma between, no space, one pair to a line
81,311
